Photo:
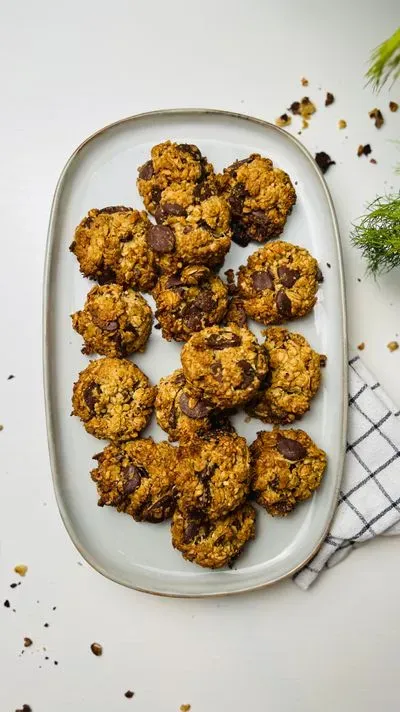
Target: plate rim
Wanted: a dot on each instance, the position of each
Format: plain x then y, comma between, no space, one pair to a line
45,345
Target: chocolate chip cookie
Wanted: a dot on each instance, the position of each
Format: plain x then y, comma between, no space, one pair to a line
113,398
111,246
202,237
293,379
224,365
137,478
178,413
213,474
176,176
114,321
287,467
260,196
189,301
216,543
279,283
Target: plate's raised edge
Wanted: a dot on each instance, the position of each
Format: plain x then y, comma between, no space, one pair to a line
46,312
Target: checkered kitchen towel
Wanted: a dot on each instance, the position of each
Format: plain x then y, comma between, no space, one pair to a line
369,498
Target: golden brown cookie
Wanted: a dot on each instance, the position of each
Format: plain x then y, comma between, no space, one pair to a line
224,365
213,474
189,301
111,246
260,196
293,379
176,176
213,544
114,321
178,413
279,283
113,398
201,238
287,467
137,478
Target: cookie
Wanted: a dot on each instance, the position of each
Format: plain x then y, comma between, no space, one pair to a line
203,237
279,283
293,379
178,413
260,196
176,176
137,478
213,474
111,246
114,321
287,467
113,398
189,301
213,544
224,365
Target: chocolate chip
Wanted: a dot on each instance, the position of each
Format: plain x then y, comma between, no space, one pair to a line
248,373
202,190
259,218
287,276
166,503
204,301
105,274
133,477
324,161
25,708
115,209
223,341
329,98
96,649
283,303
236,199
319,275
165,210
129,694
161,238
191,530
6,603
262,279
295,107
239,234
146,171
156,194
111,326
189,148
72,246
198,410
192,318
90,395
172,282
290,449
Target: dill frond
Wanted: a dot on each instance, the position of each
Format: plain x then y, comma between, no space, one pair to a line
378,234
385,62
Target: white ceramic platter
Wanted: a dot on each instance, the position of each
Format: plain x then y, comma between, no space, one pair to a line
101,172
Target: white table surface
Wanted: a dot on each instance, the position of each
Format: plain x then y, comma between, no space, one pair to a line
67,69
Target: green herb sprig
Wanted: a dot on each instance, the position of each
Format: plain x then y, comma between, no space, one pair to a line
378,234
385,62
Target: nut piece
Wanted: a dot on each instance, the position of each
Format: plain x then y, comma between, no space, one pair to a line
96,649
393,345
361,346
21,569
393,106
342,124
185,708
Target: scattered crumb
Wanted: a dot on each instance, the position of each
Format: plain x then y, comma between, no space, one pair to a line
364,150
185,708
6,603
96,649
1,427
10,377
393,106
329,98
307,108
46,625
328,264
304,124
324,161
129,694
14,585
358,279
295,108
373,160
156,326
342,124
322,360
304,82
54,608
393,345
21,569
377,115
56,662
230,276
27,642
283,120
361,346
25,708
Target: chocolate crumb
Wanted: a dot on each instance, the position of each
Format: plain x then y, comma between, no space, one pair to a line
10,377
324,161
157,326
6,603
295,108
358,279
46,625
304,82
329,98
283,120
373,160
46,657
393,345
25,708
14,585
27,642
377,115
55,662
96,649
364,150
328,265
361,346
342,124
54,608
129,694
393,106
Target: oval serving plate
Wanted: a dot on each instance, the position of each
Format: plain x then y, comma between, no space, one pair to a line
101,172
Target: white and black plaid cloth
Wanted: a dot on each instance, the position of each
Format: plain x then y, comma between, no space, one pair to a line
369,499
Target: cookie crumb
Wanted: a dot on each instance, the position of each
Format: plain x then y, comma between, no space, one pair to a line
6,603
364,150
328,264
25,708
324,161
1,427
46,625
185,708
361,346
329,98
377,115
283,120
55,662
322,360
96,649
393,345
342,124
129,694
295,108
304,124
373,160
20,569
27,642
304,82
307,107
10,377
393,106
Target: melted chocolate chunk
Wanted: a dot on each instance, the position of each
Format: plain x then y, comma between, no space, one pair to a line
165,210
283,304
248,373
288,277
223,341
90,395
262,279
290,449
146,171
161,238
198,410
